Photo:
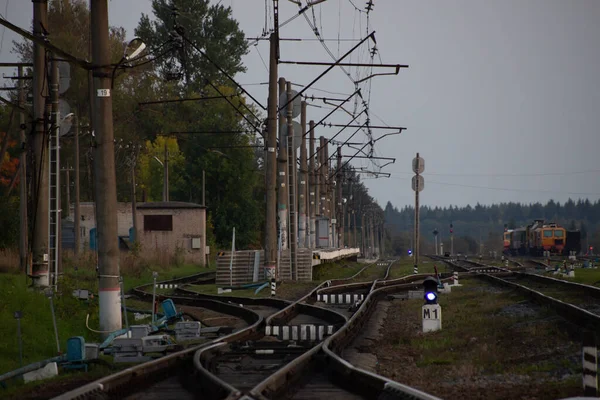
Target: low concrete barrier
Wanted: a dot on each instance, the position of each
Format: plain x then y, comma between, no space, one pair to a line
326,255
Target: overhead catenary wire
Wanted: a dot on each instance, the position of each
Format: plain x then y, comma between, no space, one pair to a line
515,175
504,189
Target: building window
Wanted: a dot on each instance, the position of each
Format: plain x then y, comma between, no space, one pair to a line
158,222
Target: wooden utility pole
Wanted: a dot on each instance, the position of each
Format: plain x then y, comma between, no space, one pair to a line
104,162
39,184
24,232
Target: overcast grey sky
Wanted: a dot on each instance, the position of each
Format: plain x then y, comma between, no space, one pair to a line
500,94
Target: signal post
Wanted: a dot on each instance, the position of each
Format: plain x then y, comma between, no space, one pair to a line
418,184
431,311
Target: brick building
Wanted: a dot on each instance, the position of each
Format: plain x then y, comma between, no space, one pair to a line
175,227
166,227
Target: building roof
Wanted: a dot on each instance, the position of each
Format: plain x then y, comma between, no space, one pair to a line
168,205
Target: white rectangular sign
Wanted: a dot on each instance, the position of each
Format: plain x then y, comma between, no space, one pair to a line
432,317
432,312
103,92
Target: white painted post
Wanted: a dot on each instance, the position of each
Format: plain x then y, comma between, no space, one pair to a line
231,259
154,275
432,317
590,364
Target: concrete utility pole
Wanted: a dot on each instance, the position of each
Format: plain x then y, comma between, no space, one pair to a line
379,239
363,231
23,245
39,184
340,209
303,238
382,238
292,187
67,191
282,195
354,225
134,195
104,160
77,216
328,192
323,186
166,174
372,233
312,185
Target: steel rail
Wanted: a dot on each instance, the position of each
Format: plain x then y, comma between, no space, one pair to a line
125,381
207,357
369,383
570,312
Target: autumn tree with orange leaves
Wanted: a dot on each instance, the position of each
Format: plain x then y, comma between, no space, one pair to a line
9,165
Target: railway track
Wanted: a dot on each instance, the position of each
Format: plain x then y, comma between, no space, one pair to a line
576,302
174,375
254,362
322,372
230,368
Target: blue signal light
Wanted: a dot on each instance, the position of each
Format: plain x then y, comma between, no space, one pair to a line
430,296
410,252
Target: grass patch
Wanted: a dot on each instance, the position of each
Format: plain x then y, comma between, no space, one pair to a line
405,266
582,275
57,385
87,278
336,270
483,332
39,341
36,325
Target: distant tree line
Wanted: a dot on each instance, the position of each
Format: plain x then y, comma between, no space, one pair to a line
483,225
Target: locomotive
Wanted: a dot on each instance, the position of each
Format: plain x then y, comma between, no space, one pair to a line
538,237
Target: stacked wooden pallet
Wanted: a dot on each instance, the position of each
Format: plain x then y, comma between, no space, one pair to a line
243,265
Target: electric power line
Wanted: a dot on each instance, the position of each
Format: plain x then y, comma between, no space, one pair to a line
505,189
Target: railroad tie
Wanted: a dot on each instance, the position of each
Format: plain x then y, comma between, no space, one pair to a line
347,298
166,286
304,332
